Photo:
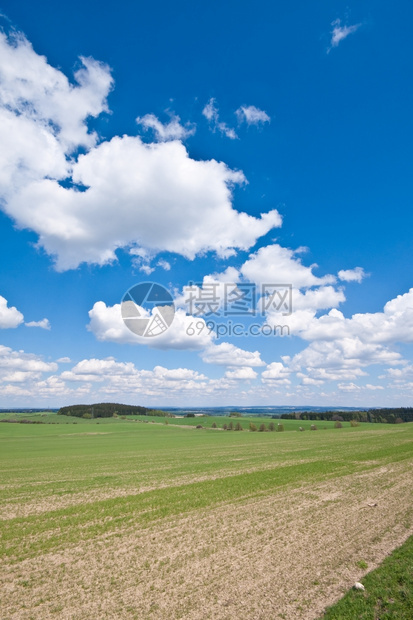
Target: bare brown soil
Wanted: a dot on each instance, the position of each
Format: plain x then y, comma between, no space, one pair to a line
284,556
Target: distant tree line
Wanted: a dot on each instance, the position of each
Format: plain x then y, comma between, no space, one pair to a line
383,416
23,421
106,410
42,410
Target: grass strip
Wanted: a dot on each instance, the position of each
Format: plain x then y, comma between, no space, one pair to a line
28,536
388,591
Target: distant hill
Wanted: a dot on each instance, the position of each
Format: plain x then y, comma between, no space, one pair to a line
104,410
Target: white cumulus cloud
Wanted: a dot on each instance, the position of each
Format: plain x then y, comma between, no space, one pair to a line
9,316
21,367
34,89
121,193
152,196
341,359
244,373
274,264
43,324
110,377
394,324
352,275
185,332
227,354
276,372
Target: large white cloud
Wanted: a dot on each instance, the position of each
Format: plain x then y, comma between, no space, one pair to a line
37,91
153,196
208,298
244,373
342,347
114,377
30,151
9,316
217,289
274,264
394,324
400,374
25,376
91,370
185,332
291,294
42,115
20,367
126,194
340,350
227,354
353,387
97,370
341,359
276,372
298,315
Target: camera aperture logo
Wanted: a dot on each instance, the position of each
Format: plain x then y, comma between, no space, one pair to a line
148,309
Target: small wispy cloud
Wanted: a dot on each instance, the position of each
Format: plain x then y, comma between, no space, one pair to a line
142,260
211,113
163,264
340,32
251,115
352,275
166,131
43,324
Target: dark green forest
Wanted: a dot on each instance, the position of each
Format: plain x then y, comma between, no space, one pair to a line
104,410
383,416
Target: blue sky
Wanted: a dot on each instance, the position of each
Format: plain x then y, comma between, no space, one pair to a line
227,145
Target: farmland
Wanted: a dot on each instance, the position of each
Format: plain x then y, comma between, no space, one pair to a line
140,519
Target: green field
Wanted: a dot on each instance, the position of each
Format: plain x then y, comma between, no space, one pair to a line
204,421
74,488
